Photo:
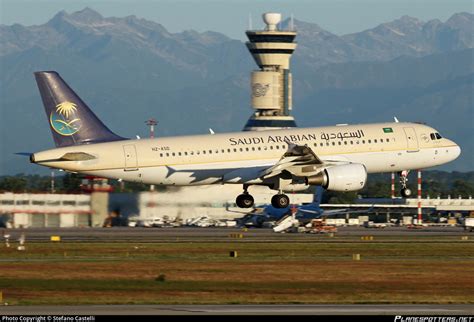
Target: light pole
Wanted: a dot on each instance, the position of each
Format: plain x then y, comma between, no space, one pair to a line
151,122
53,190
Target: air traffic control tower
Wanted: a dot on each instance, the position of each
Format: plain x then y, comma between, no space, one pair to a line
271,85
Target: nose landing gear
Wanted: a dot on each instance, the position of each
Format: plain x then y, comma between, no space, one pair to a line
405,192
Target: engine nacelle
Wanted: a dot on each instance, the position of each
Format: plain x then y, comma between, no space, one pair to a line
348,177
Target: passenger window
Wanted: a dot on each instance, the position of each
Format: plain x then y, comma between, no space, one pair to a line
253,148
185,153
161,155
363,141
352,142
179,153
235,150
228,150
241,150
204,152
345,142
333,143
277,147
271,147
388,140
210,151
173,154
167,154
192,152
259,148
369,141
375,140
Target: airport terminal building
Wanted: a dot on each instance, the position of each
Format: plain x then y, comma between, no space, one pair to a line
23,210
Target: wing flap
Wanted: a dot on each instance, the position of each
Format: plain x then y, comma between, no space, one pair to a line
297,159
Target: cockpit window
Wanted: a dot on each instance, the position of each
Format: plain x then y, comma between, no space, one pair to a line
438,136
432,136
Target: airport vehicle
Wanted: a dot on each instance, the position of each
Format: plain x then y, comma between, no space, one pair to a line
371,224
469,224
335,157
318,226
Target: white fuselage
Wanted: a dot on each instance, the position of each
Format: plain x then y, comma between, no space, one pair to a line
239,157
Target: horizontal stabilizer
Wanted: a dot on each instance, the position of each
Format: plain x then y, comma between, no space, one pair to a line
70,156
77,156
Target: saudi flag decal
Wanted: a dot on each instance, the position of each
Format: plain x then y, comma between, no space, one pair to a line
387,130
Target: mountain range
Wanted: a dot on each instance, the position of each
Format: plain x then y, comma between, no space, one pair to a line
132,69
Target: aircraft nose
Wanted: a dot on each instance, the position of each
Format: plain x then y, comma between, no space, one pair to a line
455,151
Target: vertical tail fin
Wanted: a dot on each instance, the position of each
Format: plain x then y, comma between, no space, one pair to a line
70,119
317,196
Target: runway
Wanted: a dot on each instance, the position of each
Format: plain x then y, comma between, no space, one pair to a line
365,309
184,234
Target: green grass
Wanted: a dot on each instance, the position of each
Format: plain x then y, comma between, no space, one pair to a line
319,271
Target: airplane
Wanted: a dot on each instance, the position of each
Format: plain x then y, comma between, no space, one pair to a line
337,158
304,213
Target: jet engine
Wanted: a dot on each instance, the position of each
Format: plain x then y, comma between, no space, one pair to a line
348,177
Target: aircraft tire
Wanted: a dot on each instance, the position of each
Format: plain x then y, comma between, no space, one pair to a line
280,201
244,201
405,192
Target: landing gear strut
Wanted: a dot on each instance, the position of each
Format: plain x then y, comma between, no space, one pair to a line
280,201
244,200
405,192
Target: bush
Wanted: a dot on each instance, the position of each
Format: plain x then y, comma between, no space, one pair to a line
161,278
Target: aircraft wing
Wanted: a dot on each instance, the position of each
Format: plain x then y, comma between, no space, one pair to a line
297,159
324,212
333,212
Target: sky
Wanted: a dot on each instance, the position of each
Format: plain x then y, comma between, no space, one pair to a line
231,17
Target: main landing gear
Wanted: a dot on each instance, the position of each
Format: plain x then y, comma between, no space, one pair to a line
244,200
280,201
405,192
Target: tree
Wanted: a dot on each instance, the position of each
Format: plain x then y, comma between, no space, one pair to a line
462,188
71,183
339,197
13,184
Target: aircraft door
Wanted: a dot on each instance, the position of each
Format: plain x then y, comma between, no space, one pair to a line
130,154
412,140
